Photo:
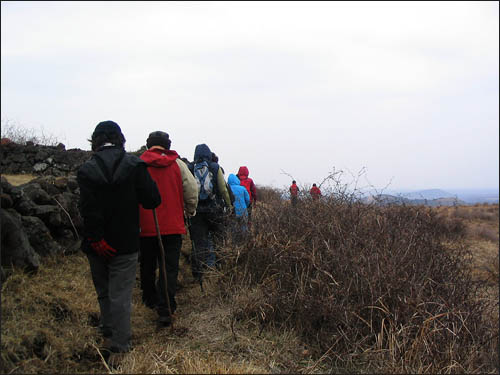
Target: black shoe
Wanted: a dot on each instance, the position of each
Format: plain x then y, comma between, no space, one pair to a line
165,320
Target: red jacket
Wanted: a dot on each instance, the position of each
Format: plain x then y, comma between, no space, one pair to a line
294,190
247,183
315,192
166,173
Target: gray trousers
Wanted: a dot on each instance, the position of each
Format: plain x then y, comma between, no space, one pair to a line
114,280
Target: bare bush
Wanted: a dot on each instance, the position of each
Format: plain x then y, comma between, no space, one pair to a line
365,284
17,133
267,194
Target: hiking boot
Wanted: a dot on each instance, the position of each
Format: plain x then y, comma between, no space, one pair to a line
111,355
112,359
164,320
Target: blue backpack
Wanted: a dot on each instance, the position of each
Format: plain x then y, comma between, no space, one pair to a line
204,179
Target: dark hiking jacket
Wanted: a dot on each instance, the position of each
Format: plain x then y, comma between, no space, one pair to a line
202,153
112,185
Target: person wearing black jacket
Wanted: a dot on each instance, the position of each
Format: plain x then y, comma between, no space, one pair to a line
112,185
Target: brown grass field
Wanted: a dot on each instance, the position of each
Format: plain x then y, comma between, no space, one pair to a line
49,319
48,327
482,222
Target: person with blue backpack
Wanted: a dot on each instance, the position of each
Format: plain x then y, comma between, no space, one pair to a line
241,204
213,197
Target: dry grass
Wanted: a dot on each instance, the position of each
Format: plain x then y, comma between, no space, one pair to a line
481,220
19,179
49,319
385,289
482,228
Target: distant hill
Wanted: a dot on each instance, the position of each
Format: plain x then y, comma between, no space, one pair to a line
439,196
386,199
473,196
429,194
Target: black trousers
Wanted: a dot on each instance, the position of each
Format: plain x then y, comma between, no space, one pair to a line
206,235
153,291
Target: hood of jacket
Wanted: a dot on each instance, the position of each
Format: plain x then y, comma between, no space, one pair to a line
243,172
110,166
233,180
159,158
202,152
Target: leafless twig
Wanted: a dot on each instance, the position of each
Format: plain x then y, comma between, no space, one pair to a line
69,217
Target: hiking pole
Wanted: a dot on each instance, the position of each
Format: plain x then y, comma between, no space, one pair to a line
163,270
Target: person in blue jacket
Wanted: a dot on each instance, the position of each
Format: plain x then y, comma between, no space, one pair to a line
241,203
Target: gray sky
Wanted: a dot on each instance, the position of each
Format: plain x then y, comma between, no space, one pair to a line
407,90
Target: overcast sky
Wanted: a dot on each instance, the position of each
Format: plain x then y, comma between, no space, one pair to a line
407,91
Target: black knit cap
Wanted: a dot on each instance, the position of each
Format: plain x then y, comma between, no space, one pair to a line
107,127
158,138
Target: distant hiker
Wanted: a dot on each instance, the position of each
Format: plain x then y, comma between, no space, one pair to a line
294,193
206,226
112,185
315,192
250,186
241,204
179,194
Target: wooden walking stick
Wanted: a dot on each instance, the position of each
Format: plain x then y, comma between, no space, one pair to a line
163,270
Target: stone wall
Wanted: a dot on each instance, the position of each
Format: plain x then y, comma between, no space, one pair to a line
41,217
41,160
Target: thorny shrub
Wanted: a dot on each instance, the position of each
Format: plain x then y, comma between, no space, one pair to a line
20,134
267,194
389,286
